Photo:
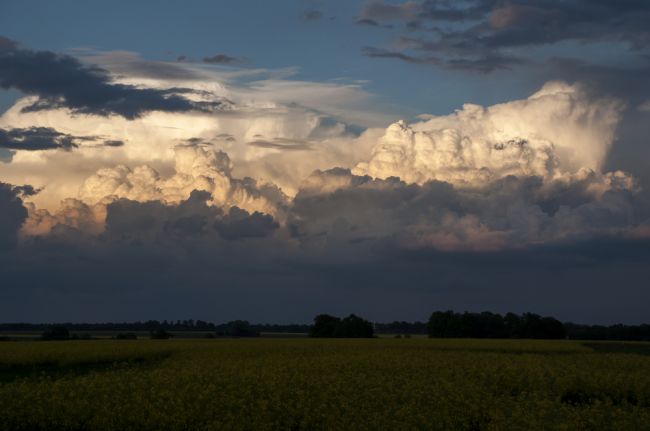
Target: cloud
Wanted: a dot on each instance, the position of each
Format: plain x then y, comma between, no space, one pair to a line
62,81
337,209
39,138
240,224
540,159
558,131
221,59
328,119
295,195
12,213
484,64
482,35
196,168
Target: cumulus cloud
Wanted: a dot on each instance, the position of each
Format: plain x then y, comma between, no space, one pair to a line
281,118
196,168
511,212
482,178
509,200
556,132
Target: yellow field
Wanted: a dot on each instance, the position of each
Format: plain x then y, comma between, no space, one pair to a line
303,384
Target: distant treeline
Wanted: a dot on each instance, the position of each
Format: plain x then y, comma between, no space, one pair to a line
447,324
441,324
149,325
326,326
613,332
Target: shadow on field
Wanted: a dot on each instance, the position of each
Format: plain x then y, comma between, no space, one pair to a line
54,370
579,397
619,347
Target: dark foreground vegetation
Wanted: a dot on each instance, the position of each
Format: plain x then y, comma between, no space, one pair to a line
441,324
324,384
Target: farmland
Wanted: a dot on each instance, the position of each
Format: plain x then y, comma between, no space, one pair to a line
301,384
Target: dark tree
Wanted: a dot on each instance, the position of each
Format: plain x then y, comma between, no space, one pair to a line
56,333
354,327
159,334
237,328
326,326
447,324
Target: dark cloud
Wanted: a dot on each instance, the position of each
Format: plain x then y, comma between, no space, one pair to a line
507,213
130,220
311,15
153,221
46,138
12,213
63,81
490,29
481,64
221,59
239,224
39,138
625,82
353,244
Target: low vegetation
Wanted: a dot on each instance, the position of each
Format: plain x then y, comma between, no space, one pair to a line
324,384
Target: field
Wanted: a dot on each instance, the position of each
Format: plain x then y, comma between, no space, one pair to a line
304,384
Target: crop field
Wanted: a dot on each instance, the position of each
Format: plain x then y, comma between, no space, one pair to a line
324,384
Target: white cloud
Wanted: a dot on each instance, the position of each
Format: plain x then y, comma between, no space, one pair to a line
482,178
196,168
259,105
558,131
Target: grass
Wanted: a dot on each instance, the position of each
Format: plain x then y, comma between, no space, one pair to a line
304,384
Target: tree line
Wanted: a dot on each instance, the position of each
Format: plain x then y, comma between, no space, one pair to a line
441,324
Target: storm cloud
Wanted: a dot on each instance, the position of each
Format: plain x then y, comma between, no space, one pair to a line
62,81
282,202
12,213
479,34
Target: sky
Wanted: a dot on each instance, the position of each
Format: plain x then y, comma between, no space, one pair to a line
271,161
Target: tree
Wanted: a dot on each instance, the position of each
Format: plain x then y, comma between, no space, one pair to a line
56,333
159,334
447,324
355,327
238,328
326,326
